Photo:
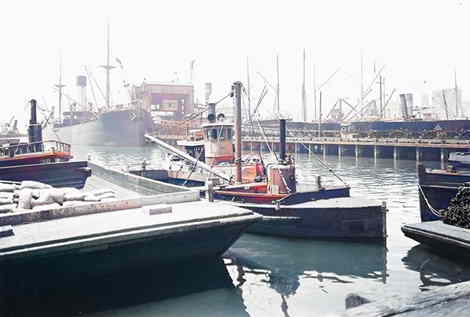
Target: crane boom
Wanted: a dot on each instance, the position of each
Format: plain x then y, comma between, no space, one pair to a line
185,156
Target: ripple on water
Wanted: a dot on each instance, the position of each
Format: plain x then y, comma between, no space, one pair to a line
281,277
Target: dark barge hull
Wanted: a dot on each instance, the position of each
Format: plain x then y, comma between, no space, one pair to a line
438,187
64,174
141,250
38,295
344,218
441,238
114,128
328,214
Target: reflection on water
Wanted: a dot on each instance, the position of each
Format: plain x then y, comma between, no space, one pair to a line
281,277
286,261
56,293
284,264
435,270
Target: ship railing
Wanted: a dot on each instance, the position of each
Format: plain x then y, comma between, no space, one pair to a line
48,146
359,140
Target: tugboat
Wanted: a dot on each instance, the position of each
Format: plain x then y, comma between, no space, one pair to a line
43,161
36,151
325,212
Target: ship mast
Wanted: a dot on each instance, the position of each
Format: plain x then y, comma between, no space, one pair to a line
107,67
361,97
237,92
278,106
60,86
248,90
304,97
314,92
456,95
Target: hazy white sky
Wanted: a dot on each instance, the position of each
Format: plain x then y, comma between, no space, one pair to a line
417,41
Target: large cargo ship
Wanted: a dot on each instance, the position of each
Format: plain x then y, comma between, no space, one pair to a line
118,125
125,125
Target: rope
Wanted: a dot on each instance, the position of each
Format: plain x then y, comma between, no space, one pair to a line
222,99
266,140
431,208
193,168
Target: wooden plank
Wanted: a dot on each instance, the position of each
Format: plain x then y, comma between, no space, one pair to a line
449,301
438,228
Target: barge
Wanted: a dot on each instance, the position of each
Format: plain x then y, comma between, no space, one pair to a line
149,224
448,240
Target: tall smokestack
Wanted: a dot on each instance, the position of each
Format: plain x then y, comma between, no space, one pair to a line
81,87
33,119
34,129
211,112
282,140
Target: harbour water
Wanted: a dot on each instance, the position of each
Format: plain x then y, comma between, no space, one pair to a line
266,276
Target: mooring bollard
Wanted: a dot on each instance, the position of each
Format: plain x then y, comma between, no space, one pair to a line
210,191
318,182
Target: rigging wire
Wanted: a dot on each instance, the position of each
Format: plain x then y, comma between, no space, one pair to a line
322,163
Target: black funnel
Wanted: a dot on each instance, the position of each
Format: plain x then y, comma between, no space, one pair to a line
282,140
34,118
211,112
35,129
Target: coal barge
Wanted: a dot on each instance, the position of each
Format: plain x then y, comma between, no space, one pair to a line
440,191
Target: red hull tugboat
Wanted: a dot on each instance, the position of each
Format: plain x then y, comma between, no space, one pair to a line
43,161
321,213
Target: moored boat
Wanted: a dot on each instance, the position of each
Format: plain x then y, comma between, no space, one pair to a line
37,150
442,238
323,212
147,224
43,161
117,127
436,189
460,160
441,191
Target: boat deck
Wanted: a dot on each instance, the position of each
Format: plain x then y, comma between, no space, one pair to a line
332,203
96,183
100,229
443,238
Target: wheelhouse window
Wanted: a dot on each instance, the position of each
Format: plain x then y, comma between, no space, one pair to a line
218,133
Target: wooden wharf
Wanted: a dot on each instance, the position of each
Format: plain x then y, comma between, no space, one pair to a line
392,148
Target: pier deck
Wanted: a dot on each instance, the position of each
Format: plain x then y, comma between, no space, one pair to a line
440,237
96,183
396,148
102,229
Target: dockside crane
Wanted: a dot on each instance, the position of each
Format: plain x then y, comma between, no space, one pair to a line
359,108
